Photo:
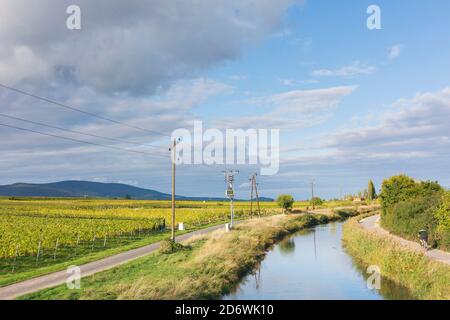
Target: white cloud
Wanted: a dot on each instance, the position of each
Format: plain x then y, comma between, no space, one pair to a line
350,71
22,63
306,101
394,51
238,77
293,109
287,82
418,126
135,47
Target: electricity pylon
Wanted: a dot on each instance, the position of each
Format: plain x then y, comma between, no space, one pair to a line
254,188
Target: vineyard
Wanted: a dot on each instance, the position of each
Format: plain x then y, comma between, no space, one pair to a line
30,227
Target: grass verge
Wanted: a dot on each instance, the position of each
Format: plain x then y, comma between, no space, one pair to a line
424,278
86,256
207,268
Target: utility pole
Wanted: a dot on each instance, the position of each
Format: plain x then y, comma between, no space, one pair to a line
173,149
229,179
312,195
251,197
254,188
257,196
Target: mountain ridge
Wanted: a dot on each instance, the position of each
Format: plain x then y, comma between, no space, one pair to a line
83,189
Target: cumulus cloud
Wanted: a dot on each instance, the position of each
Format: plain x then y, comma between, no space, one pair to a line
417,127
135,46
139,62
353,70
412,137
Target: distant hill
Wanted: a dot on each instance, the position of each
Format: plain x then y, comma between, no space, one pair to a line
80,189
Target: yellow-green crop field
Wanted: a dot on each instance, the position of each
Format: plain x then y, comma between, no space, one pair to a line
28,225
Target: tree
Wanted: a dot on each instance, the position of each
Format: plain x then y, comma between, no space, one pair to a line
128,197
316,201
443,220
372,194
402,188
286,202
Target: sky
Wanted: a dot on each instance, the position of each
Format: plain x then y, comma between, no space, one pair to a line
351,104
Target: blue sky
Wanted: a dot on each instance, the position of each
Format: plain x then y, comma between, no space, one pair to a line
378,100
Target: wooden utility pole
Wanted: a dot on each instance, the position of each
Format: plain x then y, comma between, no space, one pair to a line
312,195
251,198
257,196
173,149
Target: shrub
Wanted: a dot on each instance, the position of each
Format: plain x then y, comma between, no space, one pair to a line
406,218
316,201
402,188
322,219
409,206
443,222
170,246
346,213
286,202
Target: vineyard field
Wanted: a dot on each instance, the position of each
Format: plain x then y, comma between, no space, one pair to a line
31,225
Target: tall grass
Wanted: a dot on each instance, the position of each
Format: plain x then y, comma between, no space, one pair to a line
424,278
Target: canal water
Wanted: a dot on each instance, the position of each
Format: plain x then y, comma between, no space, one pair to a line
313,264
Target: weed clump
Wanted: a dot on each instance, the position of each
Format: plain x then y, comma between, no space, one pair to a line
169,246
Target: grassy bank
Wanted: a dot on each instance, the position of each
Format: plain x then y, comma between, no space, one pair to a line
28,269
208,266
424,278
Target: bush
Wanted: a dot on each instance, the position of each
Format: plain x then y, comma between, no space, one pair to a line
286,202
443,222
406,218
346,213
322,219
316,201
409,206
170,246
402,188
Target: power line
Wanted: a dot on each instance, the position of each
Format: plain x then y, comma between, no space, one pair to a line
75,131
79,110
81,141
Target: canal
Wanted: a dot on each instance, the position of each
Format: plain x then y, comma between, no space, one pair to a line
313,264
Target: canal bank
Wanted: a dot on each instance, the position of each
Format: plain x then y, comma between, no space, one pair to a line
424,278
207,267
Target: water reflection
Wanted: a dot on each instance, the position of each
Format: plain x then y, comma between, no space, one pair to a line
312,264
287,246
389,289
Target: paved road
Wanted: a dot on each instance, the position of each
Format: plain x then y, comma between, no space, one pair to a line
57,278
372,223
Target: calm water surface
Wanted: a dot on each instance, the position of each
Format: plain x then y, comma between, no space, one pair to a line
313,264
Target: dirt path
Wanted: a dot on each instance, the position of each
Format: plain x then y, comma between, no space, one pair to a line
372,223
57,278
